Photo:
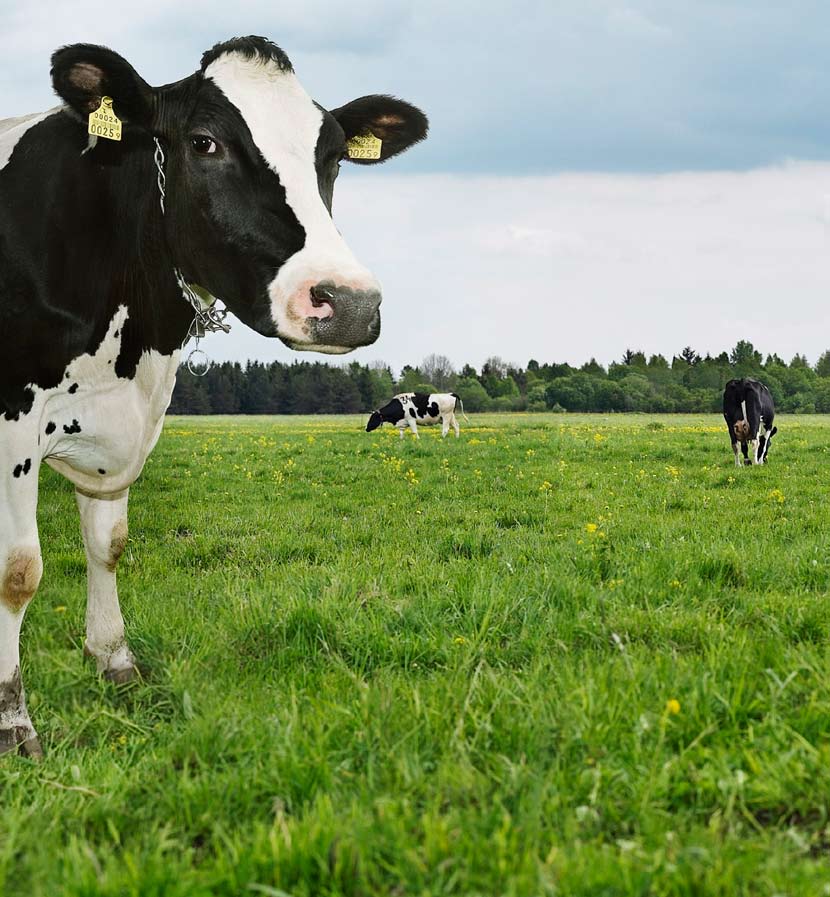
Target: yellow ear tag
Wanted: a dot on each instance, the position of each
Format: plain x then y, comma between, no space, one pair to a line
103,122
364,146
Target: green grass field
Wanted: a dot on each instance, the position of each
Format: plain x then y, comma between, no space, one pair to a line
561,655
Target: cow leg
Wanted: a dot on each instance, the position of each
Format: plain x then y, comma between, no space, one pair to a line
414,427
771,433
753,418
445,426
737,454
104,528
745,452
401,431
455,425
20,570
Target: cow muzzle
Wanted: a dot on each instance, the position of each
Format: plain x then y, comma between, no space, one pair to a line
339,318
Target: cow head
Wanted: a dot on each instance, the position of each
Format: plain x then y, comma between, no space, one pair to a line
375,421
391,413
251,162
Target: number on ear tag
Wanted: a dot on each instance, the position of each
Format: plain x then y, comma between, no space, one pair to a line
103,122
364,146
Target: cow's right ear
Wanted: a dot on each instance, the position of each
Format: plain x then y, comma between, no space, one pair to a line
84,73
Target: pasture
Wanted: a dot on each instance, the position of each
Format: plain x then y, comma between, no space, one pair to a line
560,655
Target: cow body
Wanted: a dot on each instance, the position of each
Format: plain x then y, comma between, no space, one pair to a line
408,409
92,263
749,413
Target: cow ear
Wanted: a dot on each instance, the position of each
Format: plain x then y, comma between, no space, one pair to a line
84,73
397,124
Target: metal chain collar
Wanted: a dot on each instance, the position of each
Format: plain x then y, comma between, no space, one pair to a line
207,319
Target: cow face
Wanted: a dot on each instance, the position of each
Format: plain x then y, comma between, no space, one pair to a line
251,162
391,413
375,421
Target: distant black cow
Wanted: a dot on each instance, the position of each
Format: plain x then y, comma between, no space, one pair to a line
408,409
749,412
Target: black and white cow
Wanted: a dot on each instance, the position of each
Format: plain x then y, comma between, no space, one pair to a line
95,278
408,409
749,412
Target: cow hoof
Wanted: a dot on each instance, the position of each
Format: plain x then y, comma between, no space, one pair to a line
31,748
123,676
21,739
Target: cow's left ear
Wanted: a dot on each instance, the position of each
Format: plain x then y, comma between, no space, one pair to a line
397,124
84,73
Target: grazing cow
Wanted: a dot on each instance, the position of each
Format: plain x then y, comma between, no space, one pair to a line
408,409
749,412
122,214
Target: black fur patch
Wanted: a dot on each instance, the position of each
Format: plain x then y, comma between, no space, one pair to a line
249,47
421,401
23,468
392,412
73,389
75,427
50,427
101,471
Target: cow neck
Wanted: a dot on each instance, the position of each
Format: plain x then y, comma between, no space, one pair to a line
207,317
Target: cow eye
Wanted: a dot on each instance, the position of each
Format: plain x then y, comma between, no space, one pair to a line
203,145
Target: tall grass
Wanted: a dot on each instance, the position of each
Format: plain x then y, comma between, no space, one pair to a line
561,655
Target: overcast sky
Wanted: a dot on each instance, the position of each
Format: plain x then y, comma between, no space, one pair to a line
599,175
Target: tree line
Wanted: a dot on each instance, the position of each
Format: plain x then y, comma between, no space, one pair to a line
688,382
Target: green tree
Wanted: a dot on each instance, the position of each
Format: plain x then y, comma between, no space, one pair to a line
473,394
745,360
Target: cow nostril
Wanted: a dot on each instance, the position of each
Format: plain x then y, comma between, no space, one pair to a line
321,296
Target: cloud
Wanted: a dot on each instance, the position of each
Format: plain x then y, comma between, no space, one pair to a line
531,87
633,23
572,266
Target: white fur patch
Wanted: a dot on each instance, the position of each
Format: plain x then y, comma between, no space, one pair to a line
119,419
285,125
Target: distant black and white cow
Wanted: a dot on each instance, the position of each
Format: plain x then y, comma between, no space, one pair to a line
749,412
408,409
101,282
